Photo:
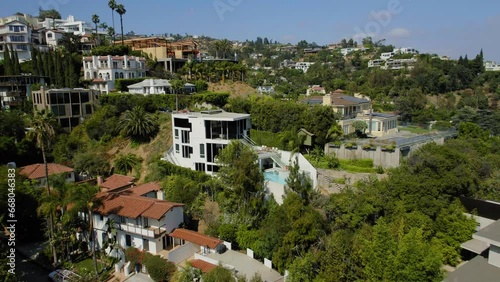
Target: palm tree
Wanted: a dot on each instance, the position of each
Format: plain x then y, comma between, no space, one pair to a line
137,123
177,86
54,204
112,5
96,20
111,33
43,132
83,197
120,9
222,47
125,163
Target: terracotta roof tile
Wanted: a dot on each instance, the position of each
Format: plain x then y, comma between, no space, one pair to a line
36,171
203,265
143,189
134,206
196,238
117,181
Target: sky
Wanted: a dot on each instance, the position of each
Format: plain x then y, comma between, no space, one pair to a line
444,27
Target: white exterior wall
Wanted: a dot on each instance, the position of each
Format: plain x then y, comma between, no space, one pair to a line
173,219
197,137
304,165
24,54
110,69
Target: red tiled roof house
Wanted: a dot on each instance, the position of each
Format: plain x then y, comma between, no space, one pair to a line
36,172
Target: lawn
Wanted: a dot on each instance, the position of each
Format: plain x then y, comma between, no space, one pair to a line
86,266
414,129
355,166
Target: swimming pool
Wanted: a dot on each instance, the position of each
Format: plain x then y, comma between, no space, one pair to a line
276,176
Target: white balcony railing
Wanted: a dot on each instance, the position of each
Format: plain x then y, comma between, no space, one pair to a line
137,230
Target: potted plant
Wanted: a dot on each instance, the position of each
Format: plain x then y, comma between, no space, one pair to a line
351,145
389,148
336,144
369,146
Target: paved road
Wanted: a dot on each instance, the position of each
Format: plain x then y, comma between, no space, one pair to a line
29,271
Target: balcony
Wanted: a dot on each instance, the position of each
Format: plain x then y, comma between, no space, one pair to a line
152,232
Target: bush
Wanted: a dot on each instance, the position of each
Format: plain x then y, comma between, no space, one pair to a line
133,255
332,161
379,169
121,84
159,269
227,232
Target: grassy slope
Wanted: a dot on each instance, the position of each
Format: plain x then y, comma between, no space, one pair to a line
147,151
236,89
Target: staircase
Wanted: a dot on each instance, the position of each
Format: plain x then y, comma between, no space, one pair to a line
275,156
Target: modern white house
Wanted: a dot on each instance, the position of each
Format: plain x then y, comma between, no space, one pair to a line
491,66
482,252
405,50
387,55
347,51
376,63
199,136
265,89
396,64
157,86
17,35
104,70
69,25
303,66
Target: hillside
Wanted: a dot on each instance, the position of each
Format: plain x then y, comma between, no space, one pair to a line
147,151
236,89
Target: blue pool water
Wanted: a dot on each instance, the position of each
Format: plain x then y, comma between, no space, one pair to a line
275,176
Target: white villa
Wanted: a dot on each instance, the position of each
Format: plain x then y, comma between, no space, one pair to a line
104,70
199,136
157,86
17,34
352,109
142,218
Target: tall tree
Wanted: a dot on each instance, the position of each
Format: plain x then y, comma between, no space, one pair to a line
120,9
42,131
112,5
96,20
83,197
7,62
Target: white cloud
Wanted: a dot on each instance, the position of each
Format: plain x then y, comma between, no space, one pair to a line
399,32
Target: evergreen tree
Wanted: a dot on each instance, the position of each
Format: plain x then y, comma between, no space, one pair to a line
7,61
15,62
45,64
34,62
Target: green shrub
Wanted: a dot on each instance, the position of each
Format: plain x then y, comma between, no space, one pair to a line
133,255
379,169
227,232
159,269
332,161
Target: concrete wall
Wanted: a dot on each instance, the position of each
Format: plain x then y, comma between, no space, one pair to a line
494,255
183,252
383,158
173,219
304,164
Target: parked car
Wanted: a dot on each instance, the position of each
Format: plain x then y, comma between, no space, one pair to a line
64,275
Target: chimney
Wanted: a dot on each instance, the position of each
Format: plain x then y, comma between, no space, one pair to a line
99,180
160,195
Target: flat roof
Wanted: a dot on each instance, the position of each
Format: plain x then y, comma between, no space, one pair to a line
490,234
476,246
476,270
246,265
211,115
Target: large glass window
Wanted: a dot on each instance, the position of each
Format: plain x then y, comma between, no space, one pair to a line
176,134
75,110
84,97
202,150
75,97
